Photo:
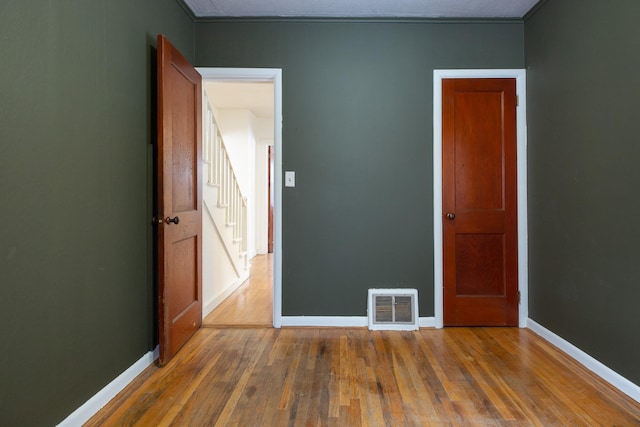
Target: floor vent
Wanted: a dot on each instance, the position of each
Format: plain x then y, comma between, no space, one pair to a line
393,309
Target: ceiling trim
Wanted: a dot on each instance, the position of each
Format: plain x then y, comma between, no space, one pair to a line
326,9
536,7
390,19
395,20
188,10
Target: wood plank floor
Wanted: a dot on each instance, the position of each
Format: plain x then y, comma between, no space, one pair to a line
251,305
355,377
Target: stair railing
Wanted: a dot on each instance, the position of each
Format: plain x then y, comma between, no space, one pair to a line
223,176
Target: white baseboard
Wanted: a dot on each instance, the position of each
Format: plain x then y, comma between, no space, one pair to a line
208,307
612,377
101,398
342,321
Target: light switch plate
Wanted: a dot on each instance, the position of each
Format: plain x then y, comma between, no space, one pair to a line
289,179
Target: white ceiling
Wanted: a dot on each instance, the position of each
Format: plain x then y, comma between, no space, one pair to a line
361,8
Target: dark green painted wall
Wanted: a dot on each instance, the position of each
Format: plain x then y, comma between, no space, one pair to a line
76,305
357,111
76,298
582,60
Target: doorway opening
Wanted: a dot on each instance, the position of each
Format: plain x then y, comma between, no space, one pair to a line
245,126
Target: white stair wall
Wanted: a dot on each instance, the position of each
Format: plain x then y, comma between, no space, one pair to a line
224,221
220,275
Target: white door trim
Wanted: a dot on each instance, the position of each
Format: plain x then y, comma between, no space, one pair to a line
273,75
521,113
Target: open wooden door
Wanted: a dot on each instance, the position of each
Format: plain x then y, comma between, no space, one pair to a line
479,200
179,169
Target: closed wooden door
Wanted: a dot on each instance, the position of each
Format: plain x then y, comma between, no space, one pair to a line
479,198
179,200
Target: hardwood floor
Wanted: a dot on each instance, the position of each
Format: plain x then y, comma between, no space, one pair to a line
238,371
355,377
251,305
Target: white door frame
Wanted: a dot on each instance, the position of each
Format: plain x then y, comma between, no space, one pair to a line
521,117
273,75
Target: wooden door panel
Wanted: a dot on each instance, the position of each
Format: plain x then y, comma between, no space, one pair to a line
184,310
478,150
179,200
480,189
186,271
480,265
184,144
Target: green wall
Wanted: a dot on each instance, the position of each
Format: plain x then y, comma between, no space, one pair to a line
76,282
357,129
582,60
76,305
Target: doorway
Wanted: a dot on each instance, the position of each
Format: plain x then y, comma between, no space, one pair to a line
520,77
264,266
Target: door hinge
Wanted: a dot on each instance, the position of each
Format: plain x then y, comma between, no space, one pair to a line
519,297
517,100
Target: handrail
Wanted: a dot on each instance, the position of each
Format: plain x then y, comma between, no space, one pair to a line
222,175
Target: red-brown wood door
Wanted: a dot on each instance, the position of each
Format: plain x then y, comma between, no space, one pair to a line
179,200
479,200
270,185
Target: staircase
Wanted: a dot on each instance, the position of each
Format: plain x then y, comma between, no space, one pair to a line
223,201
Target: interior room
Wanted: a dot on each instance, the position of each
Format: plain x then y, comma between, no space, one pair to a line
78,268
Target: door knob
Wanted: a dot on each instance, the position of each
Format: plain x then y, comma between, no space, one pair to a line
451,216
174,220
